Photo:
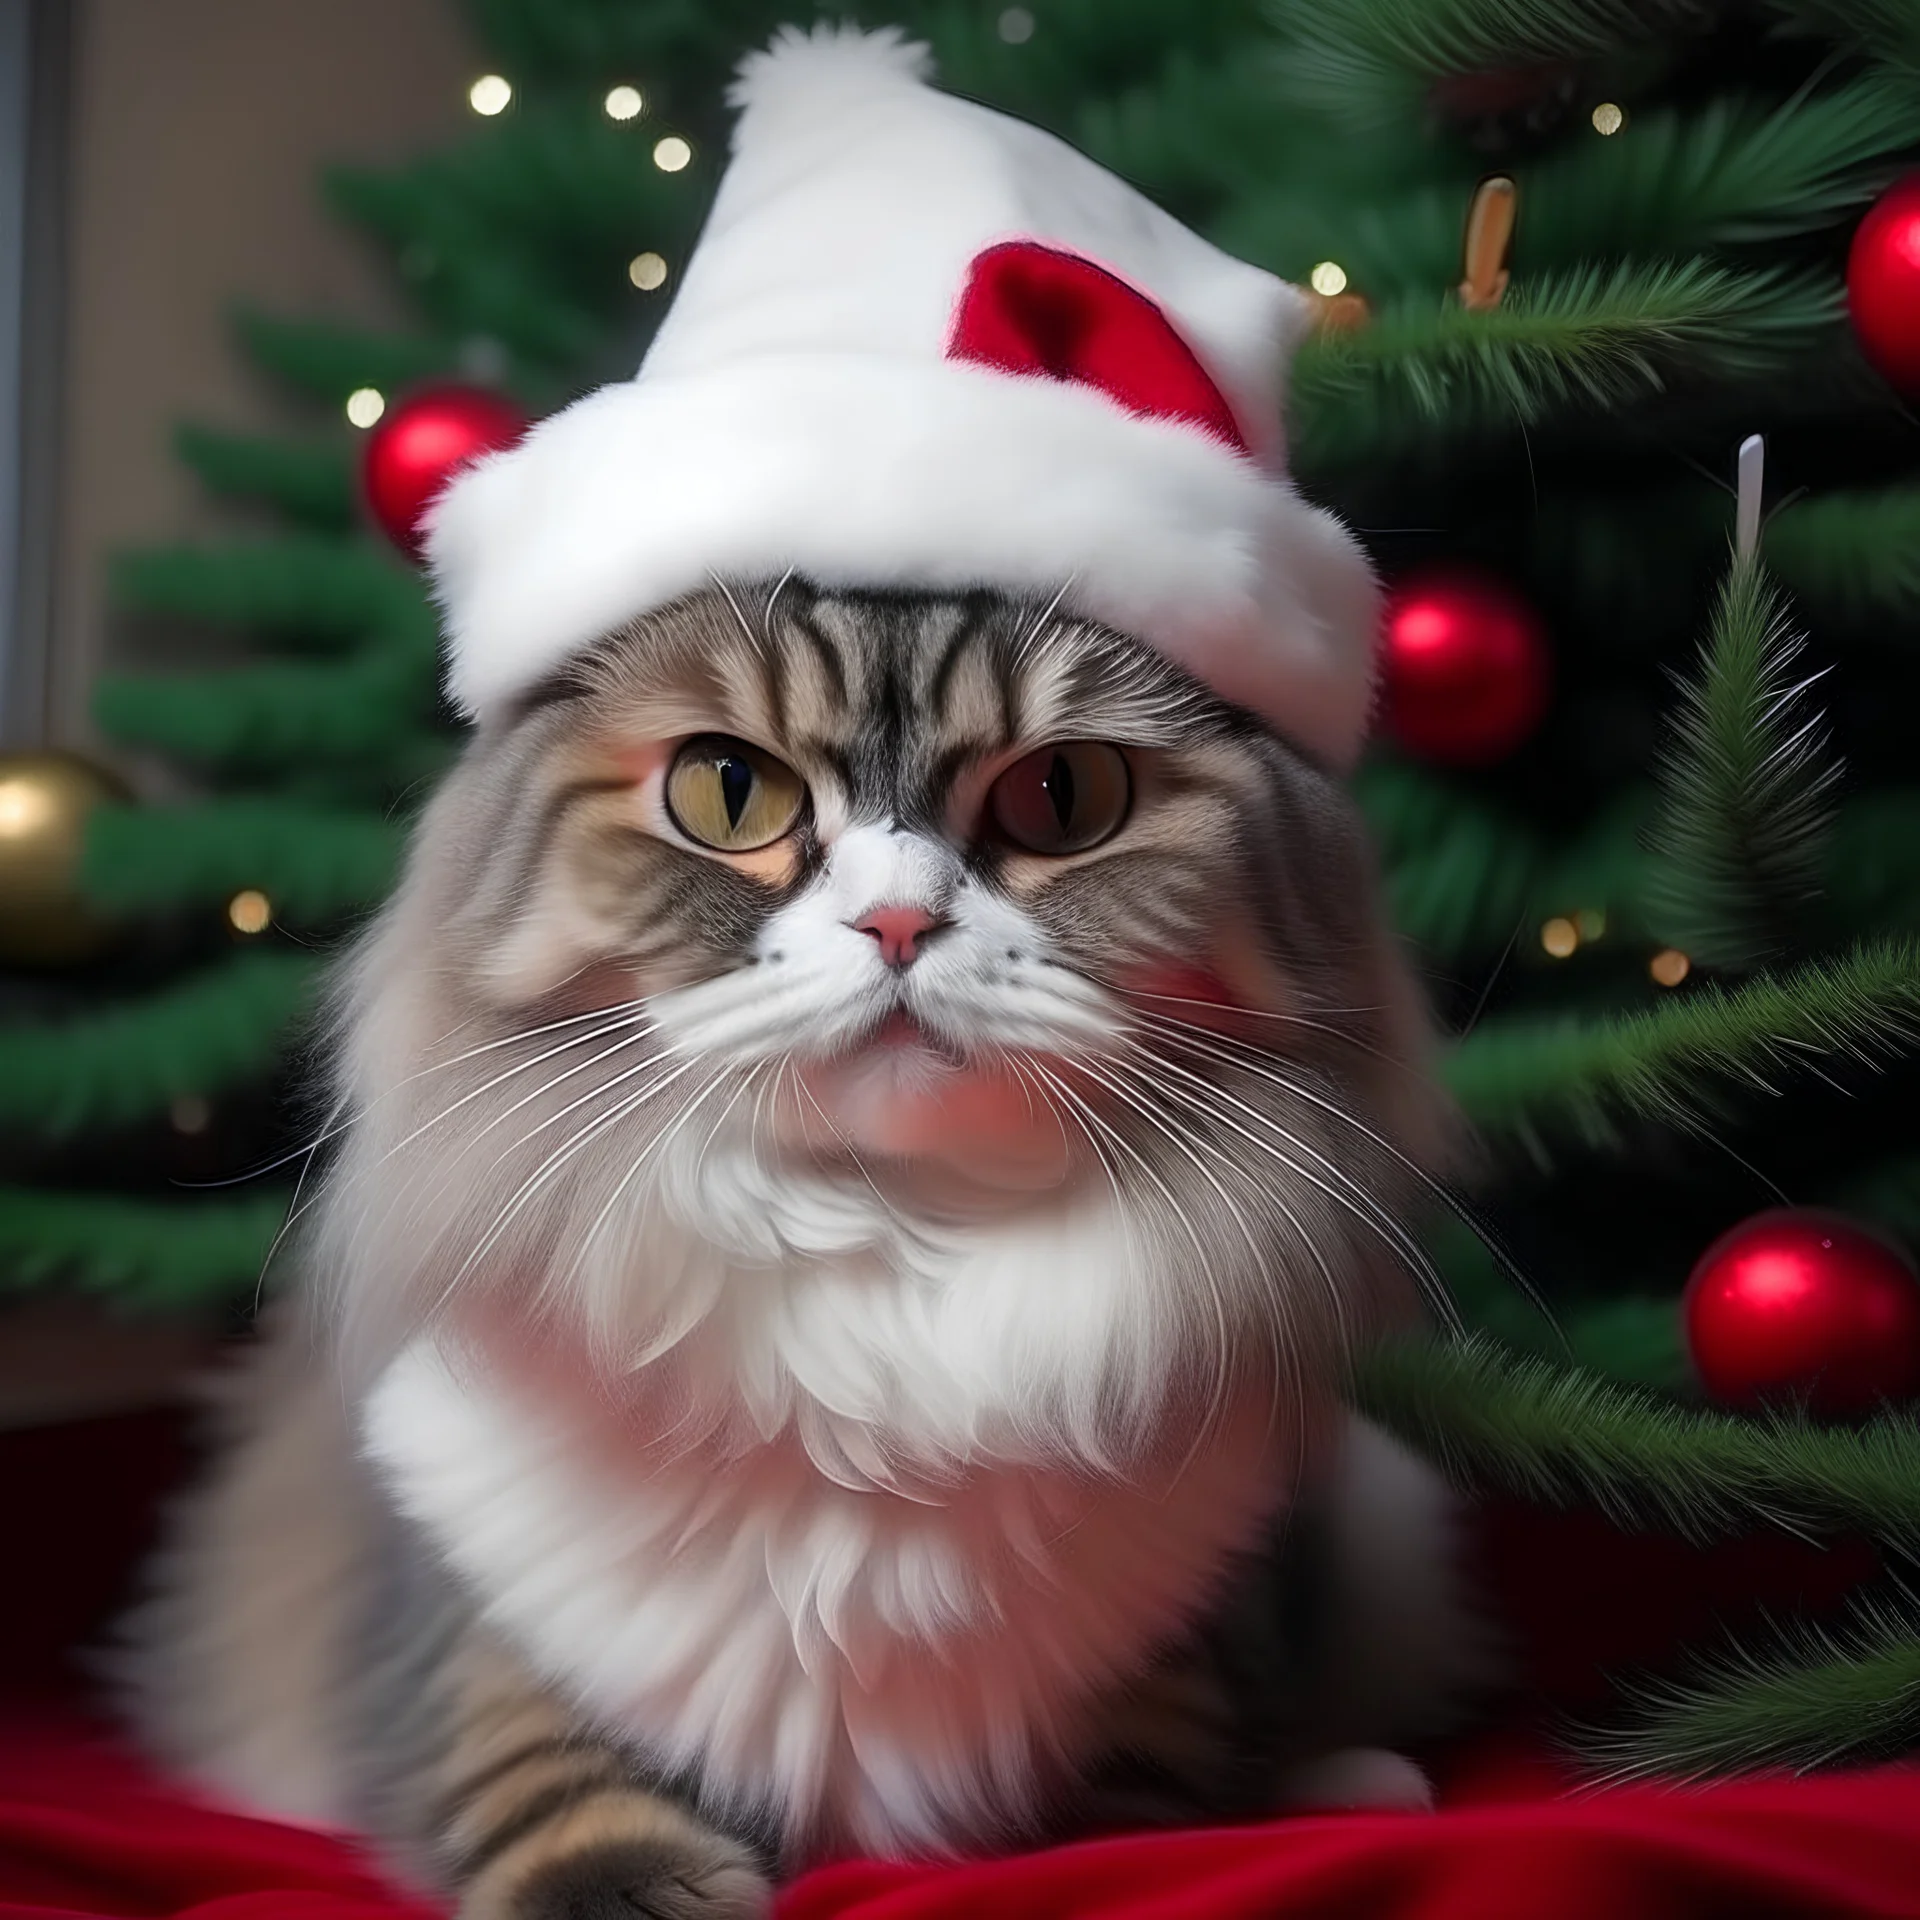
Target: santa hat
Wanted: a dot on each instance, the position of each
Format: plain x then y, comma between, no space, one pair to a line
923,345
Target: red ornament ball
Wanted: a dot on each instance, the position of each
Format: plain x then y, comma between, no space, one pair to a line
1464,667
1883,283
1804,1306
418,445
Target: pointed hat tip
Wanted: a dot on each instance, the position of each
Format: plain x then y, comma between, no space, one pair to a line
832,59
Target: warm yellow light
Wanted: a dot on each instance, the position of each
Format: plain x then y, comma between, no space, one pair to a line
1560,937
623,103
1591,922
1016,26
671,154
1669,966
190,1114
489,95
365,405
24,808
647,271
250,910
1607,118
1329,277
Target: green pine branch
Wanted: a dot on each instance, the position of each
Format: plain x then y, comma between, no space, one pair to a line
311,482
329,361
1729,173
1747,786
1595,338
1510,1424
314,588
1462,876
314,863
154,1255
1813,1698
1525,1077
1373,62
370,712
222,1027
523,233
1857,554
1507,1423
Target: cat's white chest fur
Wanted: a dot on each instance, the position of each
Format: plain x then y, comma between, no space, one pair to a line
876,1669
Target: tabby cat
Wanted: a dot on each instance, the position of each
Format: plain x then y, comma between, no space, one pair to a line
863,1142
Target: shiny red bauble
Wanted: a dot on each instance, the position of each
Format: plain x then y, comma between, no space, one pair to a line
418,445
1883,283
1463,665
1799,1306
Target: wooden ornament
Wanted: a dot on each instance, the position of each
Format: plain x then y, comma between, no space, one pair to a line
1489,243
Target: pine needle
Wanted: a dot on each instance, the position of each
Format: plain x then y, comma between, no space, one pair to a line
1526,1076
1813,1698
1503,1423
1593,337
1747,785
1372,61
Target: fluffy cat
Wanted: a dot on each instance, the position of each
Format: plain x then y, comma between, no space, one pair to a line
865,1138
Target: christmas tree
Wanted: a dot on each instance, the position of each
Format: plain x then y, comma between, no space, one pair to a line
1642,791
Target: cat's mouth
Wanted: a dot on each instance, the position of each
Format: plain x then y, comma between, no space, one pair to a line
900,1031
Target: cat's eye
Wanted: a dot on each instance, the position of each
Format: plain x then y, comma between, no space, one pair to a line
1065,798
730,796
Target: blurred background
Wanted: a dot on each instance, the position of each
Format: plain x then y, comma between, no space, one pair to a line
159,160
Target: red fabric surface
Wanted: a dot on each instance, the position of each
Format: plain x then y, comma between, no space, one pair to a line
1035,310
88,1833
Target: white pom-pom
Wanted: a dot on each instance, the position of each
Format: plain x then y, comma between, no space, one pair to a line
819,68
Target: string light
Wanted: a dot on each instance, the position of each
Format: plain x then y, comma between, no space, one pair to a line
1329,277
1560,937
250,911
671,154
190,1114
623,103
1591,922
1669,967
1016,26
1607,118
489,95
647,271
365,405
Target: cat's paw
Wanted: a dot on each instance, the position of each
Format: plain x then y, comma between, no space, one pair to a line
1356,1779
614,1868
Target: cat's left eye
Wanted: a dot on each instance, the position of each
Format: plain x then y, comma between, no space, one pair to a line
1064,798
731,796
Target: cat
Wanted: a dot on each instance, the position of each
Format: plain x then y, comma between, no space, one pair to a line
865,1140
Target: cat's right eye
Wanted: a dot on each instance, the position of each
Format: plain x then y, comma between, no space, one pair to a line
731,796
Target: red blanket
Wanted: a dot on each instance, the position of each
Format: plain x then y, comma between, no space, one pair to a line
85,1830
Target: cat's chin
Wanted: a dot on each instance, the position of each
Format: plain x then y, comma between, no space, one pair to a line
907,1100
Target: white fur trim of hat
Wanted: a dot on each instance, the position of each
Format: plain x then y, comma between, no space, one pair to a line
819,398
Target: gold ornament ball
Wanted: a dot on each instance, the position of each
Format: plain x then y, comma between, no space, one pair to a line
45,800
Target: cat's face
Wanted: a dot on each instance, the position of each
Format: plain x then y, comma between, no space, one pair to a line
958,901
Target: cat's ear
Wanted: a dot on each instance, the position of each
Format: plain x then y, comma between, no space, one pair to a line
1029,309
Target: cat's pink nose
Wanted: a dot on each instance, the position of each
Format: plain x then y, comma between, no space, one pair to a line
900,931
